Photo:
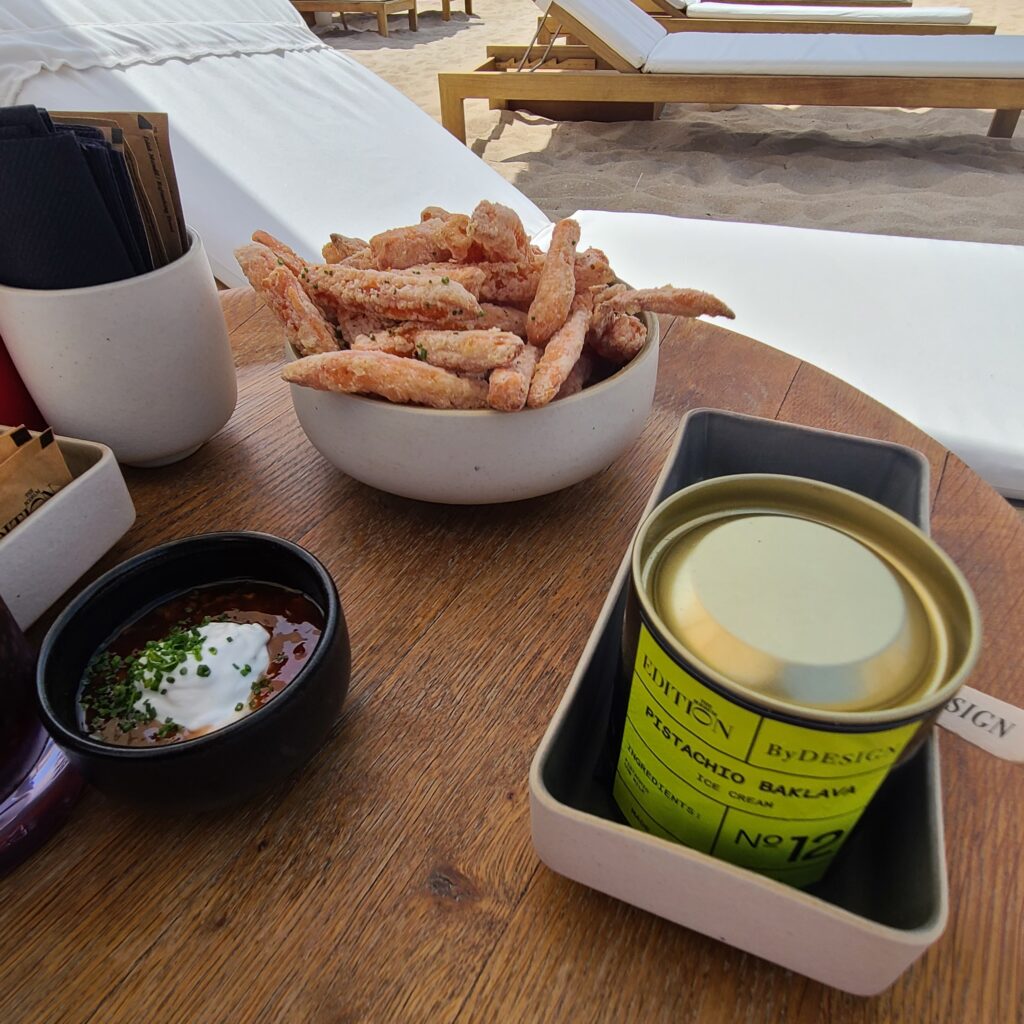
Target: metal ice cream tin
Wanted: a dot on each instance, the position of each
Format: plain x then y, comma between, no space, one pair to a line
786,643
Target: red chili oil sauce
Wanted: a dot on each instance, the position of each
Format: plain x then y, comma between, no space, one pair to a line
294,622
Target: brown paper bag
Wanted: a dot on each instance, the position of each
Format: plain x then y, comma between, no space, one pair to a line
29,477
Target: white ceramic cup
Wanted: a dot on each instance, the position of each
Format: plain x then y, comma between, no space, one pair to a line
143,365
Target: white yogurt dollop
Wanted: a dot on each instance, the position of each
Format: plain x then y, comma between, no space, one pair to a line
216,691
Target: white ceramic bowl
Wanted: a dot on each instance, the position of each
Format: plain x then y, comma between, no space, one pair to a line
482,457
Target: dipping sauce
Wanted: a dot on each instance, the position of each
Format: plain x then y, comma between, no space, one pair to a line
197,663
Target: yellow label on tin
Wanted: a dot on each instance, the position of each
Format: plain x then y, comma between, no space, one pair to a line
779,798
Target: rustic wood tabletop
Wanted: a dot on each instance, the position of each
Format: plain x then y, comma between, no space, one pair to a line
394,879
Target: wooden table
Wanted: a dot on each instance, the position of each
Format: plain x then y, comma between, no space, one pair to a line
394,880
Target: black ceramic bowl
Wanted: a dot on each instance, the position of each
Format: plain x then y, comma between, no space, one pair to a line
234,762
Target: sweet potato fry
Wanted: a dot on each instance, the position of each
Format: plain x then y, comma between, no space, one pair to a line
435,213
395,342
257,263
498,233
362,260
471,278
464,352
431,241
354,325
288,256
555,287
467,351
578,377
592,269
511,284
603,311
308,331
669,300
509,385
396,296
340,247
562,352
505,318
406,381
620,339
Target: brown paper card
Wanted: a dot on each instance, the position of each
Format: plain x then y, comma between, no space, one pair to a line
164,205
11,439
161,126
29,477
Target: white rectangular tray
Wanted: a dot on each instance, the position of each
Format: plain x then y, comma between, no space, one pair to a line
47,552
885,899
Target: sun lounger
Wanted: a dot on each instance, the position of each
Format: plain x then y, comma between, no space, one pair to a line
628,57
273,129
653,6
672,6
930,328
713,16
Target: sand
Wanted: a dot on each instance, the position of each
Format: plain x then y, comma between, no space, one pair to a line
931,173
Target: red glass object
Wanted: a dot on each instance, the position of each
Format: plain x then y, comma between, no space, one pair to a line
16,405
38,788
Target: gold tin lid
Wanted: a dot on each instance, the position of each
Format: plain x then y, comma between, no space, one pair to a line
805,596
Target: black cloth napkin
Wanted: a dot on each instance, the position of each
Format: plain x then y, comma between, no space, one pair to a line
65,219
110,172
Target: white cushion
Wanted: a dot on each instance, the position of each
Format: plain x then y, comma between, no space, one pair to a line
299,144
931,329
859,3
630,32
895,15
750,53
119,33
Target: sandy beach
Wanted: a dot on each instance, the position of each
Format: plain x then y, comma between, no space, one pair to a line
912,172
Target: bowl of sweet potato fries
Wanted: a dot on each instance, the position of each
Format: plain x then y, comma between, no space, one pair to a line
452,361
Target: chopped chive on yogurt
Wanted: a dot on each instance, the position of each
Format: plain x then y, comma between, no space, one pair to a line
211,690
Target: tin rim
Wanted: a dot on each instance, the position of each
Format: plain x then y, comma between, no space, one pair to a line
928,554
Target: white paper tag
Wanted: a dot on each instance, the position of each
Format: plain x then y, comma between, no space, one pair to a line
989,723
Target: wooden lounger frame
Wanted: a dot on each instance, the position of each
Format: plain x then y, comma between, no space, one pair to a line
382,8
595,75
446,8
